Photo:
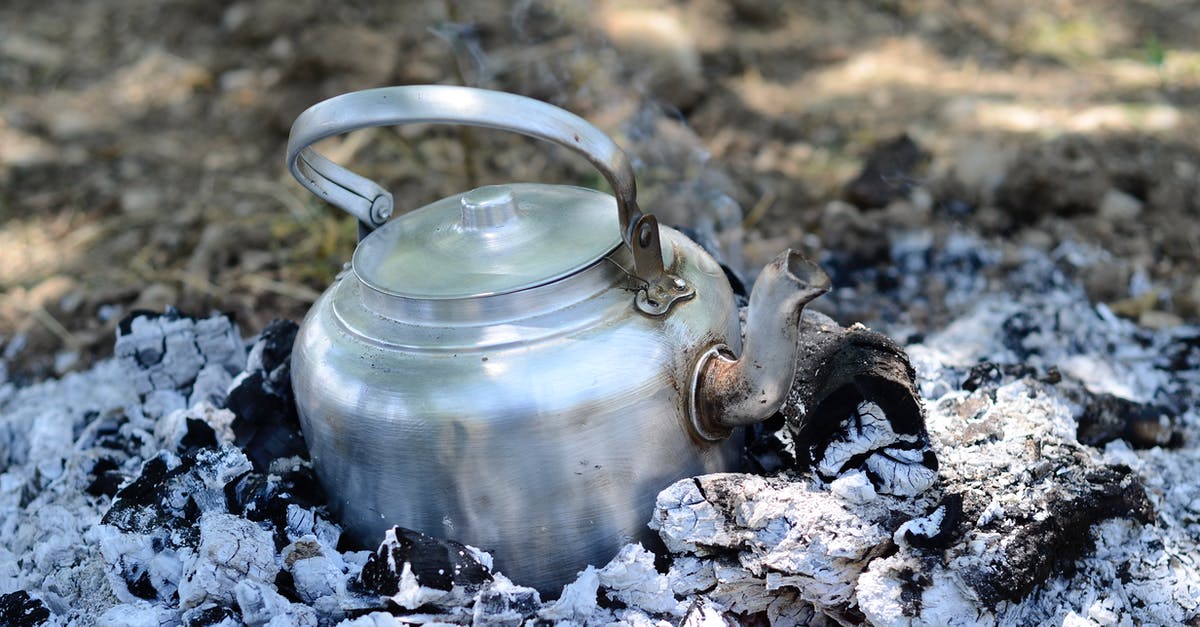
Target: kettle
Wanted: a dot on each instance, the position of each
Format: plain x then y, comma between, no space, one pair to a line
524,367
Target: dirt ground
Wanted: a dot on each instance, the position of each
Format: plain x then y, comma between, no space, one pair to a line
142,141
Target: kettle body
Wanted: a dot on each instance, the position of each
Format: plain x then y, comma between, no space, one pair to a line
540,432
523,367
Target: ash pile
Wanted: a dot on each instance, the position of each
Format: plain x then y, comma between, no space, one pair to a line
1034,460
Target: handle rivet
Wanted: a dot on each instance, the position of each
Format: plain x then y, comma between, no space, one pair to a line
644,235
381,209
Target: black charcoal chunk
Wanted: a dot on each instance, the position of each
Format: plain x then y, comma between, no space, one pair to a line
414,570
267,425
106,477
18,609
211,616
199,435
1106,417
140,506
170,492
843,369
291,483
989,375
935,530
1046,545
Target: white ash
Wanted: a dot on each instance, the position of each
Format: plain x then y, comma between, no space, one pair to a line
261,604
632,579
784,534
1022,523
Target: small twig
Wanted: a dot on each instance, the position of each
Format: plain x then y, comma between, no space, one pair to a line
47,320
759,210
295,291
276,191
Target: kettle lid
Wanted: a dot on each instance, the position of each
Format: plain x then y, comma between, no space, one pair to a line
491,240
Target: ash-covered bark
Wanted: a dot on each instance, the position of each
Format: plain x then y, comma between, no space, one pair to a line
764,534
1030,496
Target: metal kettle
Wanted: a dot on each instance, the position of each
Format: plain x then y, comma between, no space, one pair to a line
523,367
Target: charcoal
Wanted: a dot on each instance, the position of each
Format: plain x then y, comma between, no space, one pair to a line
414,569
273,349
169,489
936,529
18,609
857,407
992,375
139,506
274,498
106,477
504,604
267,425
1106,417
1101,493
199,435
1026,513
210,616
768,447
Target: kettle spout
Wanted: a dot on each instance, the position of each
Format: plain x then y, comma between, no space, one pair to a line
731,391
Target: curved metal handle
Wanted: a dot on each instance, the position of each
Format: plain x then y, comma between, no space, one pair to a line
445,104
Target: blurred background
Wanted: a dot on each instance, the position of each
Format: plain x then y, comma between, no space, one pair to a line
142,141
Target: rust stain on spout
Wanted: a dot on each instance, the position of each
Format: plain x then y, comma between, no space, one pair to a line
732,391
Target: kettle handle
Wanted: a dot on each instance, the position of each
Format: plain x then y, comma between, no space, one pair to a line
447,104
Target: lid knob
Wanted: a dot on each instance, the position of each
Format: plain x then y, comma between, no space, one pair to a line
488,207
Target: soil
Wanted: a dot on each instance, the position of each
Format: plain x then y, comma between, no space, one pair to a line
142,141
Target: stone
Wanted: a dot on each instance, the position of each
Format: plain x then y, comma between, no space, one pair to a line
890,172
1117,205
